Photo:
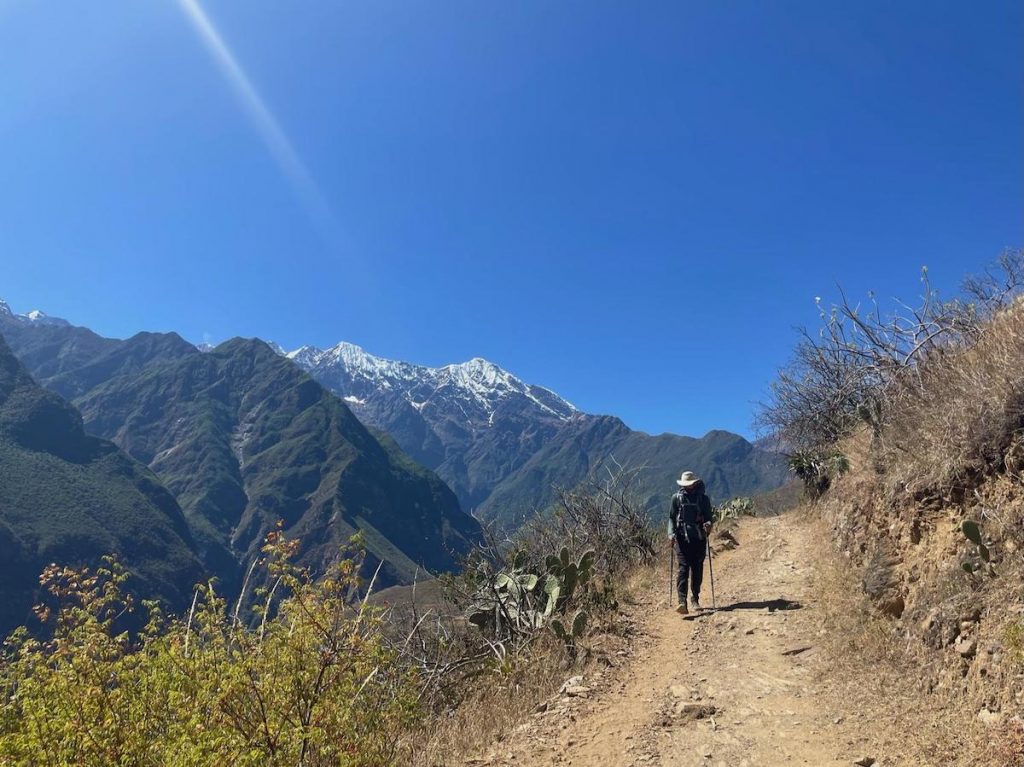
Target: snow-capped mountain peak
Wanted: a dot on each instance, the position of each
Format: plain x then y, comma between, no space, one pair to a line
484,372
35,316
305,356
355,356
472,389
39,318
482,379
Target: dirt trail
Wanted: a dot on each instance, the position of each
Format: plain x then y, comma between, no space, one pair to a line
744,686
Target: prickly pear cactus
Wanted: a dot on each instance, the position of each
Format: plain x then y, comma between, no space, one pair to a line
983,562
572,632
553,591
518,599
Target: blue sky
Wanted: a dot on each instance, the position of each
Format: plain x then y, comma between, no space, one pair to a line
630,203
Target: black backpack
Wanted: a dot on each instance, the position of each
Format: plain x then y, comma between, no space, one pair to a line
690,522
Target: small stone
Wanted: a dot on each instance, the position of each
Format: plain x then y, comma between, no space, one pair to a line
577,691
865,761
694,710
748,632
573,681
989,718
966,647
930,621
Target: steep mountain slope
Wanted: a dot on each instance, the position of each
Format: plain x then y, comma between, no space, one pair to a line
70,498
504,445
242,438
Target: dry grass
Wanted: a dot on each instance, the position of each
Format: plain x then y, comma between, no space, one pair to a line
857,635
503,699
498,703
867,660
961,412
937,693
1007,748
1014,637
782,499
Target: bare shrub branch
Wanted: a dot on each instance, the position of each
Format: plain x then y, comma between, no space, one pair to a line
860,362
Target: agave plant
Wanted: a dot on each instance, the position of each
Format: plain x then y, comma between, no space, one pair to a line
818,470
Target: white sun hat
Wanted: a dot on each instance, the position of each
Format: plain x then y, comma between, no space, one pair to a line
688,479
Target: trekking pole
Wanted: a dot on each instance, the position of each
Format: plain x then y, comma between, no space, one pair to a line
671,569
711,572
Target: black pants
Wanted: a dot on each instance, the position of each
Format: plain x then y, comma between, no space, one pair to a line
691,565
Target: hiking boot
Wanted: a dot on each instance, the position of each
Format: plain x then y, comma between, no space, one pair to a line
695,603
681,608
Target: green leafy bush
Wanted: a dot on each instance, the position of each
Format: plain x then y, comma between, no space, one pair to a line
312,682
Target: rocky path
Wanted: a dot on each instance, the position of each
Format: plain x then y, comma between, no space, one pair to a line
744,686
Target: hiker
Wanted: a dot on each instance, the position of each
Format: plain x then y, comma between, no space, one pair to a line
689,526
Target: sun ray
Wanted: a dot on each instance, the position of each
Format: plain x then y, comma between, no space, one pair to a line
280,147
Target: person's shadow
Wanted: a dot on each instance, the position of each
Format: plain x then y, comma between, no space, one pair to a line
771,605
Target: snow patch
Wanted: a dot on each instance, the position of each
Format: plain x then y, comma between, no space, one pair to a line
305,357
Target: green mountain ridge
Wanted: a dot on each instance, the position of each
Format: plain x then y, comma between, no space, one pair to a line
71,498
244,438
595,448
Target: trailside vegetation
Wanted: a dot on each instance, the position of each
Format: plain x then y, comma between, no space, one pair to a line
310,671
932,383
311,682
